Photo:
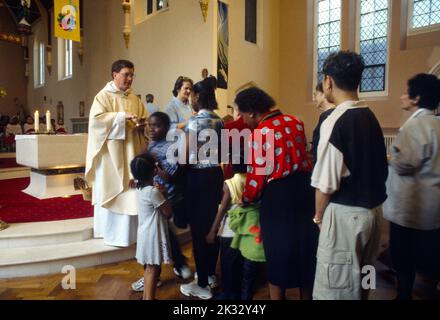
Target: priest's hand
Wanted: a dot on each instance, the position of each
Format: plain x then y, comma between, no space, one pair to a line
141,126
130,116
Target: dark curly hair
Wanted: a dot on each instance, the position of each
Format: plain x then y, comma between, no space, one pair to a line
346,68
206,91
163,118
254,100
142,168
427,87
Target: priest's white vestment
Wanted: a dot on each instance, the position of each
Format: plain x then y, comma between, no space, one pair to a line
112,143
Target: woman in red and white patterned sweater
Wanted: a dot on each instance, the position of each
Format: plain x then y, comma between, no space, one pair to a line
279,177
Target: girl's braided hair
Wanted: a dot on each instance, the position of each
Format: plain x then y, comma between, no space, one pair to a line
142,168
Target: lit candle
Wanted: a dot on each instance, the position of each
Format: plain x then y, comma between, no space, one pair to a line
37,121
48,121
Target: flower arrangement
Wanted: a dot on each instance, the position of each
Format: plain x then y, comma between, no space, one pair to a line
3,93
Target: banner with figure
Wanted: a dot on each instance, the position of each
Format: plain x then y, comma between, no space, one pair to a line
223,45
66,14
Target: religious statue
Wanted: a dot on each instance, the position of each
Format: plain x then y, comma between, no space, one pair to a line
60,111
82,109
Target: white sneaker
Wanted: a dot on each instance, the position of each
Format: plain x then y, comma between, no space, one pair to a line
212,280
194,290
185,272
138,286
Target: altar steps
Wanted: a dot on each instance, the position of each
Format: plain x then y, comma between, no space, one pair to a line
45,260
44,248
21,235
13,173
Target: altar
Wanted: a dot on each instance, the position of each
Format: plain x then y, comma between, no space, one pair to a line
55,161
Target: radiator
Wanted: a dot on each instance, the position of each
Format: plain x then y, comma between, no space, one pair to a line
389,139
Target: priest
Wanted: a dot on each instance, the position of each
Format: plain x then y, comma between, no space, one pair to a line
116,136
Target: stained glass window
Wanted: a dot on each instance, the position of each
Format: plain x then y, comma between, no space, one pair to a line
373,45
328,35
425,13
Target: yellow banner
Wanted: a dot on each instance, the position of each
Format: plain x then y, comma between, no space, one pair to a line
66,14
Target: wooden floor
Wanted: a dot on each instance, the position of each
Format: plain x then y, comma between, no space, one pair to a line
112,282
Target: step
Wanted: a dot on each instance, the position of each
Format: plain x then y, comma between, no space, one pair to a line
15,173
50,259
6,155
35,234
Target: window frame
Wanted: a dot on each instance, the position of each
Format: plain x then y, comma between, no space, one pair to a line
385,92
414,31
146,15
68,66
315,39
65,59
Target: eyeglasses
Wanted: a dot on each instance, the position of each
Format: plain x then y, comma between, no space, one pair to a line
128,75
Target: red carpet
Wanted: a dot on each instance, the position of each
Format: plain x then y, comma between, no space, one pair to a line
16,206
6,163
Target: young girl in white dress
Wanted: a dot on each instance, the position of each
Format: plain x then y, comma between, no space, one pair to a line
153,241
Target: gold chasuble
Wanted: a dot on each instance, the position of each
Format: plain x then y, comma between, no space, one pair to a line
108,159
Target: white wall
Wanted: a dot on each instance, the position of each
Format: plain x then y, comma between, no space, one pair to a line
250,62
12,68
172,43
69,91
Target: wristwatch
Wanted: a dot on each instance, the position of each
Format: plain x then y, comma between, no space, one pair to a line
316,221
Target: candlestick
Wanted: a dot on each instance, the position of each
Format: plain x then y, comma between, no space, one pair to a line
48,121
37,121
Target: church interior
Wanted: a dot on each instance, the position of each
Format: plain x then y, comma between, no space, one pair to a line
276,45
